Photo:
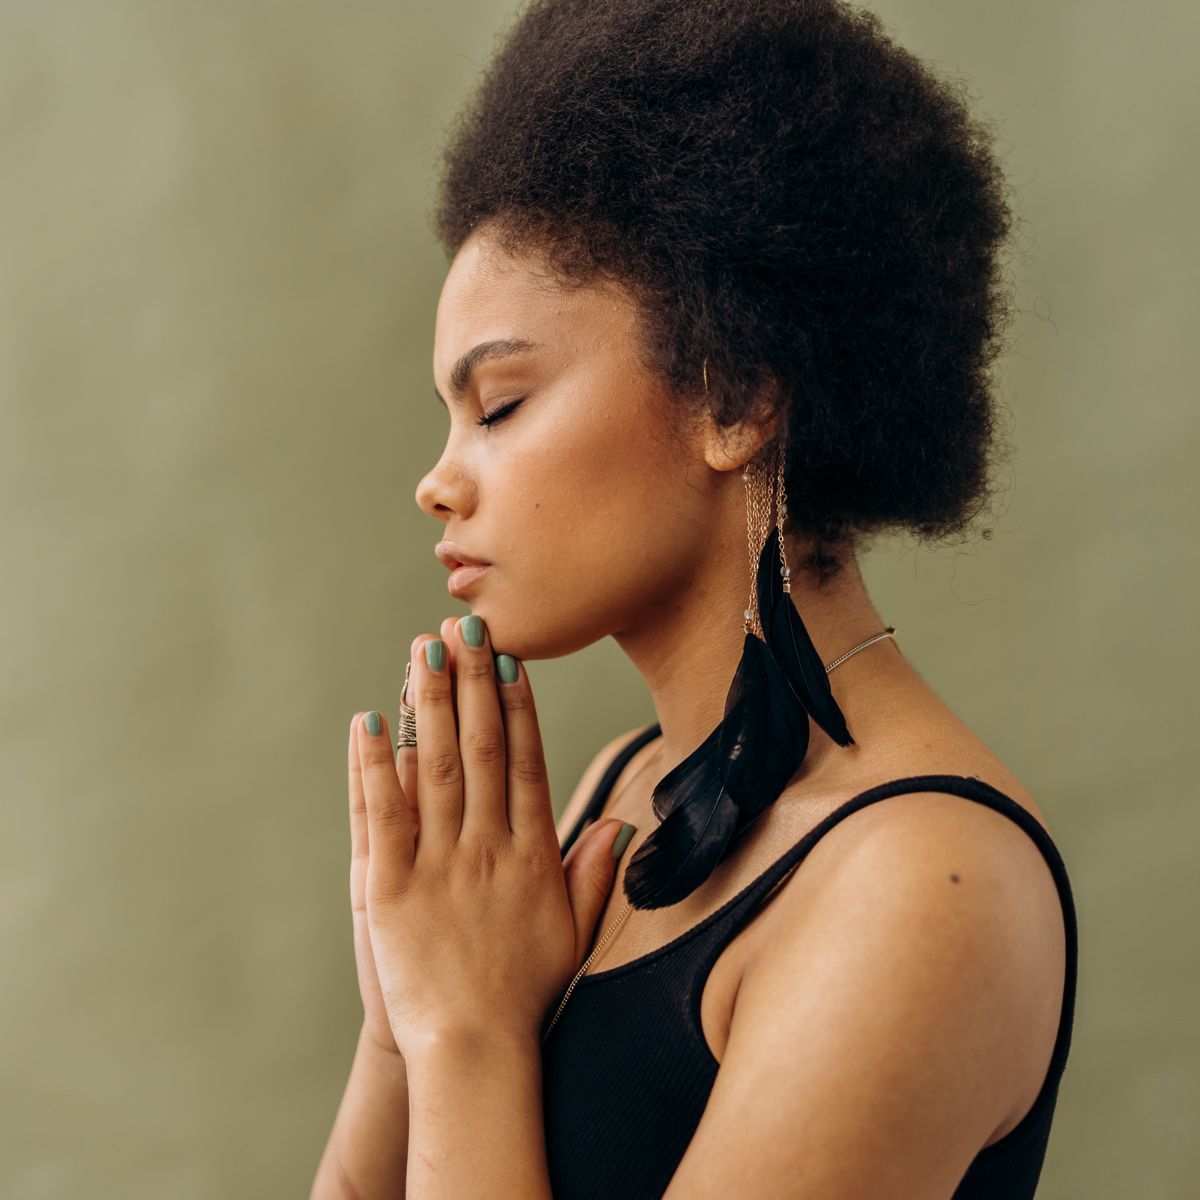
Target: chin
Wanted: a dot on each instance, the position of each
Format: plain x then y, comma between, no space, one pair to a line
530,633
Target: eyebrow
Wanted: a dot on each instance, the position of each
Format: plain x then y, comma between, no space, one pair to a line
460,374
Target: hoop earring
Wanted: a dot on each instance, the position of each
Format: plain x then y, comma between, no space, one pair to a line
739,770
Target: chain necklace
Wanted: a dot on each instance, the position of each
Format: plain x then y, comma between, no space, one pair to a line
890,631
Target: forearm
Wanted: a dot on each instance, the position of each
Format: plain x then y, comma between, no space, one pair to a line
477,1120
367,1153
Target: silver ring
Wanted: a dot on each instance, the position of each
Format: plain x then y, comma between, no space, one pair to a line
406,726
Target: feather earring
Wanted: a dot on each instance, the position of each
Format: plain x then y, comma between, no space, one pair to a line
738,771
785,631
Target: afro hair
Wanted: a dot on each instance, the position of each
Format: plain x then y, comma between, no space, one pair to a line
789,197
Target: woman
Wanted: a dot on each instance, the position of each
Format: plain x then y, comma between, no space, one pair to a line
722,274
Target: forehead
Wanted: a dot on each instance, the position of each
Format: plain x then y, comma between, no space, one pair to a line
489,294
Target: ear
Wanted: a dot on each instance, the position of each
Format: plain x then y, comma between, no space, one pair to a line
732,446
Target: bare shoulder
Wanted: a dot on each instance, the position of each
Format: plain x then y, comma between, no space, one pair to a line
965,904
936,823
902,1013
950,843
590,778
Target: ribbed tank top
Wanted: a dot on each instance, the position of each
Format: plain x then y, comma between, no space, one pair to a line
626,1071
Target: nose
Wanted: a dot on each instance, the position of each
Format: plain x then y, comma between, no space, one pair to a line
446,491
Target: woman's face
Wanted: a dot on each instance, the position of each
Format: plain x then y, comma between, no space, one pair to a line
592,510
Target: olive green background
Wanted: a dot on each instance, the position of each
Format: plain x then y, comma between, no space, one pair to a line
217,294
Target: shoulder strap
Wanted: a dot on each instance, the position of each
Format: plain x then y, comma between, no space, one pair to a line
611,772
736,911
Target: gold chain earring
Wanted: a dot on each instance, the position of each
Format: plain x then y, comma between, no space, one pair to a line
759,496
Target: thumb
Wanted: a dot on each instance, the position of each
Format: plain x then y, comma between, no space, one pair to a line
590,868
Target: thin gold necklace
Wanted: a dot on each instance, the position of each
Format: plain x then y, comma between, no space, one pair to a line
890,631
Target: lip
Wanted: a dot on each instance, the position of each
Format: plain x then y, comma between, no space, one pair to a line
453,556
465,576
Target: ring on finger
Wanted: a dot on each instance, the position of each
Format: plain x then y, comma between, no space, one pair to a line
406,726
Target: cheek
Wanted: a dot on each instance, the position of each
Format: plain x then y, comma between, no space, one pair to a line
591,532
584,479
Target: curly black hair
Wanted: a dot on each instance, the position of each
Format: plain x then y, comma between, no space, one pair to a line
787,194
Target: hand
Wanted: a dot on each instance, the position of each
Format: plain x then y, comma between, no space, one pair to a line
375,1019
476,925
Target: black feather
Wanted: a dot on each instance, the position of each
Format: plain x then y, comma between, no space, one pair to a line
715,793
740,768
789,642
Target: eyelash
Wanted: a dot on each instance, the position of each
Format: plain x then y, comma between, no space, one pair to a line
498,414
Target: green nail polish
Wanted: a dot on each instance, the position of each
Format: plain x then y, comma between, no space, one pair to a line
506,668
472,630
622,839
435,653
373,722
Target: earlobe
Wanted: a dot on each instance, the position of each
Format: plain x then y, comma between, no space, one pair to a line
731,447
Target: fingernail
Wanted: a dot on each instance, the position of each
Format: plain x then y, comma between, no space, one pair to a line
435,654
373,722
622,839
506,668
472,630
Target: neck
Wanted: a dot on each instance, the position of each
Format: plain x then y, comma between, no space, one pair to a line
688,651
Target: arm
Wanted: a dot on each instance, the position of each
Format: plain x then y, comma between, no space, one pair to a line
478,1127
899,1019
367,1152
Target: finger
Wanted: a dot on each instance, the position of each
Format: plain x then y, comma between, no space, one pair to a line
406,756
530,813
439,765
446,631
589,877
480,733
359,841
389,825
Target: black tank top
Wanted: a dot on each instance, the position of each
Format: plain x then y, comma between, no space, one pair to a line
626,1071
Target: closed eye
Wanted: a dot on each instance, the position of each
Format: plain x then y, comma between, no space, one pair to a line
498,414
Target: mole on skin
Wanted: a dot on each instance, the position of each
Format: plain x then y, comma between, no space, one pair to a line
953,878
